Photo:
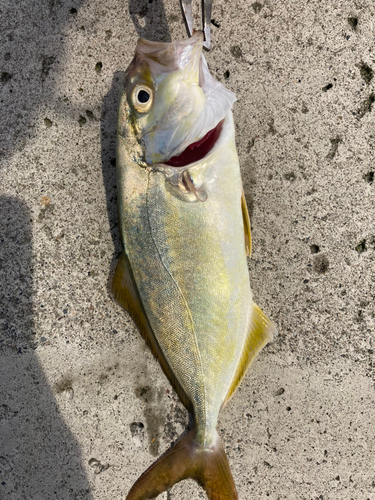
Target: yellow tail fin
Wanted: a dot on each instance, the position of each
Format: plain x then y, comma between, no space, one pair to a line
186,459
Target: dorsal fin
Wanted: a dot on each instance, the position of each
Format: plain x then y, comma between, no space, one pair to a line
126,294
260,333
246,224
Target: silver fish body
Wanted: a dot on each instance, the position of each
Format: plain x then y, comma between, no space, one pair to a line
189,262
184,233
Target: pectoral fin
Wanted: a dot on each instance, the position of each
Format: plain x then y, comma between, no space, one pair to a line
246,225
126,294
261,332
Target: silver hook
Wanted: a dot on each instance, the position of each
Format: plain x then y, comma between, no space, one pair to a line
206,19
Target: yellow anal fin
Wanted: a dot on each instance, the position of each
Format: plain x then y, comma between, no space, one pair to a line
261,332
246,224
126,294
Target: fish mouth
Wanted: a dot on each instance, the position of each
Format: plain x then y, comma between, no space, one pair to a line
197,150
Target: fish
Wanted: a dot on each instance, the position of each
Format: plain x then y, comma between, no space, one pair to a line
183,273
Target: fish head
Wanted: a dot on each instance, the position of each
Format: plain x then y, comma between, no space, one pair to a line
169,100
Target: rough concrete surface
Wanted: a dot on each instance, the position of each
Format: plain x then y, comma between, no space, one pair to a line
84,408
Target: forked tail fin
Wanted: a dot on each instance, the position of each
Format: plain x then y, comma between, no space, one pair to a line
209,467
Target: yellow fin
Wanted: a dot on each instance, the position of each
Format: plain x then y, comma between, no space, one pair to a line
261,332
126,294
246,224
186,459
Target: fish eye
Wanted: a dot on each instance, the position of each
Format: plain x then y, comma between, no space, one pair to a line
142,98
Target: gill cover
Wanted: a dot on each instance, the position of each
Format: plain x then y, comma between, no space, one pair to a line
184,101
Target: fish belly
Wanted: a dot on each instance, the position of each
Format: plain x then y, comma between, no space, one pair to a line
189,263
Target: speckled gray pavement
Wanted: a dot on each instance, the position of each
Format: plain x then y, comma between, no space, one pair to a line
84,408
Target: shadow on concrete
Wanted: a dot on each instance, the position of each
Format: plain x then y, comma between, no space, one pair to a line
39,457
150,20
32,49
108,153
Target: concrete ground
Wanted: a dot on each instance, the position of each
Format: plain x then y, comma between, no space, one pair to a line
84,408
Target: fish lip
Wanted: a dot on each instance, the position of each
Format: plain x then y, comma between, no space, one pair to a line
198,150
